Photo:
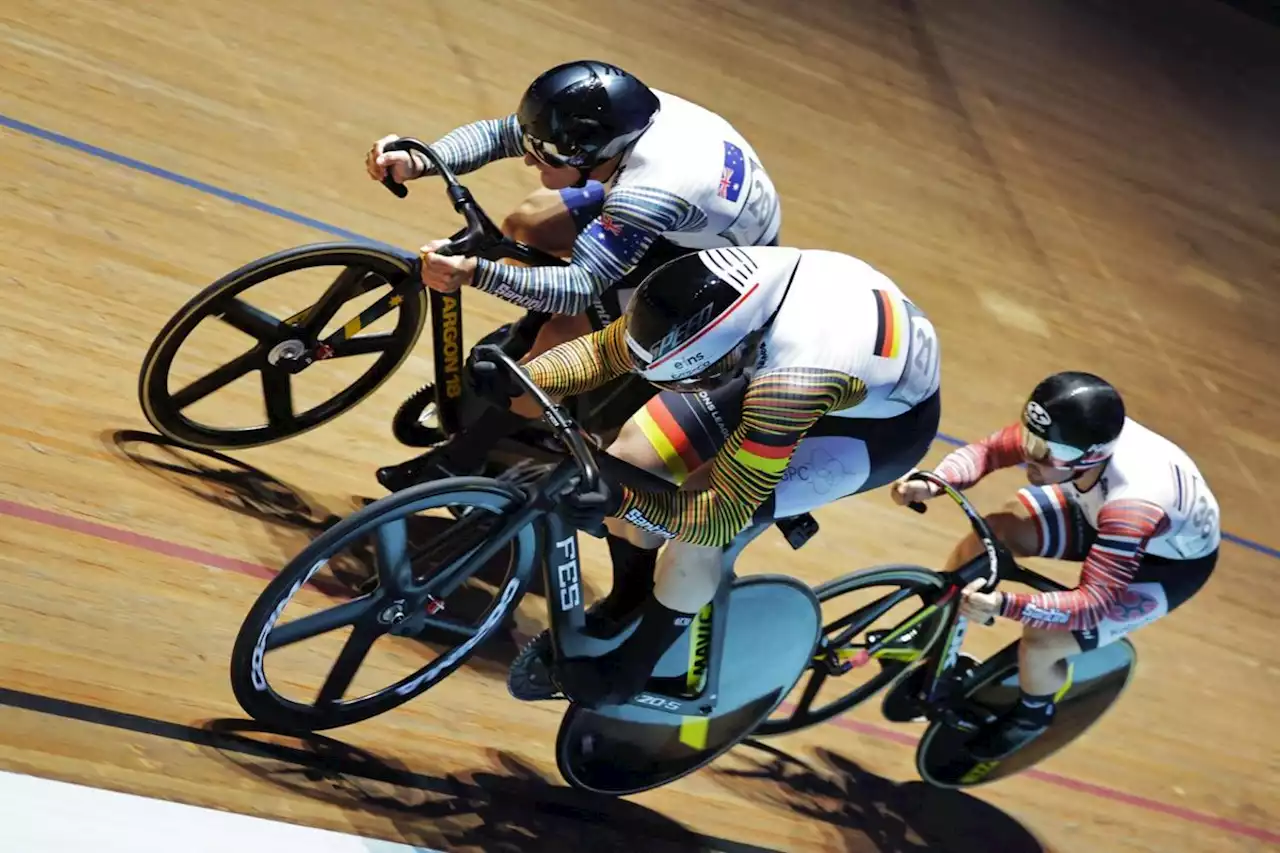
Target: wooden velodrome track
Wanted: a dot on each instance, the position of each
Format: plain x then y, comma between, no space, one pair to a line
1059,184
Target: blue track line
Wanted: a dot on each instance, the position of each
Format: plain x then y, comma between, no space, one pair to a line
263,207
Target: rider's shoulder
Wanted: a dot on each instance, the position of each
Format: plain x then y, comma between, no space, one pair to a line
676,150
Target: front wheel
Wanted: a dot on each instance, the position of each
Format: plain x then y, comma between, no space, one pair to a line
431,585
221,373
854,607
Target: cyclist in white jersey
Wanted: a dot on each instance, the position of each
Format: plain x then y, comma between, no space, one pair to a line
1105,490
633,177
790,378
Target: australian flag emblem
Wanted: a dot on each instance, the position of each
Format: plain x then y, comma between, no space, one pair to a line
735,169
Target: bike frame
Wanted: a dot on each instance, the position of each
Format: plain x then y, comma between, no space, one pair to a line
995,564
562,579
566,616
480,238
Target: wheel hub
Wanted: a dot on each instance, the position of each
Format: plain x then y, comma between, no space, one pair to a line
290,355
392,614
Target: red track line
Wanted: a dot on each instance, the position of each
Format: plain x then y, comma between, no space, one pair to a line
207,558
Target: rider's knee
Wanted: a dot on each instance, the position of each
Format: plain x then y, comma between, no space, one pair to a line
1015,527
1047,647
522,223
542,220
637,537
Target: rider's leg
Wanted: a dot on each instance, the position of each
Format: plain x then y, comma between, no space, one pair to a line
634,552
1159,586
687,577
1013,524
1042,521
551,220
677,435
663,591
654,440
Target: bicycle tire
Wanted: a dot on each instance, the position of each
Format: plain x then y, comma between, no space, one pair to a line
906,576
153,378
248,668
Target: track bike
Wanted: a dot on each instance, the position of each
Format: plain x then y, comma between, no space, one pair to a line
386,281
917,656
739,658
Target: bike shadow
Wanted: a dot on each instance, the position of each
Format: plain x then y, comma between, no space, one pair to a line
226,482
296,518
508,807
873,813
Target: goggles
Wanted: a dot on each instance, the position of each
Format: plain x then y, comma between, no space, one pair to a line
544,152
1054,454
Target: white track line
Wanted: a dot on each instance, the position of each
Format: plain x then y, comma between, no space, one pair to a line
42,816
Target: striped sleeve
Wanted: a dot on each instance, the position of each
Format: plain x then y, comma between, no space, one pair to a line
611,246
474,145
964,467
1124,529
777,410
583,363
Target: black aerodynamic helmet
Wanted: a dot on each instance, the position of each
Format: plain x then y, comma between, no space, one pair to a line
584,112
1073,420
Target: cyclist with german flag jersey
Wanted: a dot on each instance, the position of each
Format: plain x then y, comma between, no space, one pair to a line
790,378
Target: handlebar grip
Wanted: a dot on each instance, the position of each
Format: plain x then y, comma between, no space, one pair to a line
398,190
919,507
404,143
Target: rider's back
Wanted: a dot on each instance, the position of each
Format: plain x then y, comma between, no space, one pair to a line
843,315
694,161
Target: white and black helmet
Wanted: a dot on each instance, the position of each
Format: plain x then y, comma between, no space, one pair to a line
696,322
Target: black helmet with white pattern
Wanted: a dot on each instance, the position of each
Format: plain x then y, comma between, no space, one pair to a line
1072,420
582,113
696,322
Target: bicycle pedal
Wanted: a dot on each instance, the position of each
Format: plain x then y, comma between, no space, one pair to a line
967,718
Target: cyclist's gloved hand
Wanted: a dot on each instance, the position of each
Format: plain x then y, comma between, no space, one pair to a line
490,378
906,491
588,512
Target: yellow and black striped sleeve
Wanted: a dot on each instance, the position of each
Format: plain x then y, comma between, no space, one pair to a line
778,409
583,363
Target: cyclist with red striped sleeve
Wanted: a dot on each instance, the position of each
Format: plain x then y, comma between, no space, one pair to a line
1105,490
790,378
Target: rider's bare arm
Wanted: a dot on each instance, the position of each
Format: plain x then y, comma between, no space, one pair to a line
583,363
779,407
969,464
1124,528
606,250
473,145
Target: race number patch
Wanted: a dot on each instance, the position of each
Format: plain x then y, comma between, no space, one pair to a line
920,371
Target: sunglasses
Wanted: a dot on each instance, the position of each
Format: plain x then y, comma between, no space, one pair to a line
541,151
